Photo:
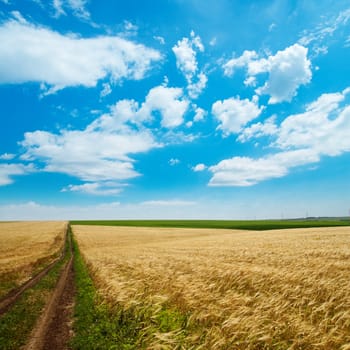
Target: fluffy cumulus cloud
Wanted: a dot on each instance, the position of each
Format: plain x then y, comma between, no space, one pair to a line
8,171
233,114
101,154
245,171
321,130
260,129
90,155
287,71
169,102
31,53
240,62
323,127
186,61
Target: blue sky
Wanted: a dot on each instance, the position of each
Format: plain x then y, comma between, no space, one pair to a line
174,109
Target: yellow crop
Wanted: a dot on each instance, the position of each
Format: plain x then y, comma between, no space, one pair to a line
281,289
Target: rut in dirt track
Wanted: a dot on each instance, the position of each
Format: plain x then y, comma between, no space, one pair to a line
54,328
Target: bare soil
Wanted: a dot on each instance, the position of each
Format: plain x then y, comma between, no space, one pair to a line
54,328
59,330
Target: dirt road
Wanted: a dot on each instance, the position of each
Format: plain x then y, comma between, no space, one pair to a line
54,328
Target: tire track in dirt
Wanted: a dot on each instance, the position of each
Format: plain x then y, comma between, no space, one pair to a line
54,327
10,299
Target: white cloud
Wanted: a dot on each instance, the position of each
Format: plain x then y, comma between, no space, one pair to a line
199,167
8,171
186,58
317,38
174,161
322,130
58,6
272,26
7,156
122,112
30,53
90,155
172,137
196,88
287,71
169,102
347,42
200,113
186,61
250,81
324,127
95,188
245,171
102,152
234,113
130,29
77,7
267,128
239,62
160,39
106,90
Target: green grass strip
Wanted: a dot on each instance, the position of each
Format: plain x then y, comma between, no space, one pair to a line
17,323
95,327
225,224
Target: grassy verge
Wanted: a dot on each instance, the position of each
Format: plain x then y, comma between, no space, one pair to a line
17,323
99,325
228,224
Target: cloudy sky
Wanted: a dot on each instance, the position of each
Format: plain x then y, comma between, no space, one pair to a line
174,109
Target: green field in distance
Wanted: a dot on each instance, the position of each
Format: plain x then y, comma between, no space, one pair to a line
225,224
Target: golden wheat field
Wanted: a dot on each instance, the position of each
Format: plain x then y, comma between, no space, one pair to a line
26,247
280,289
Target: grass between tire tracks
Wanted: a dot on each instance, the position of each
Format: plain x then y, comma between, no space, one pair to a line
17,323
